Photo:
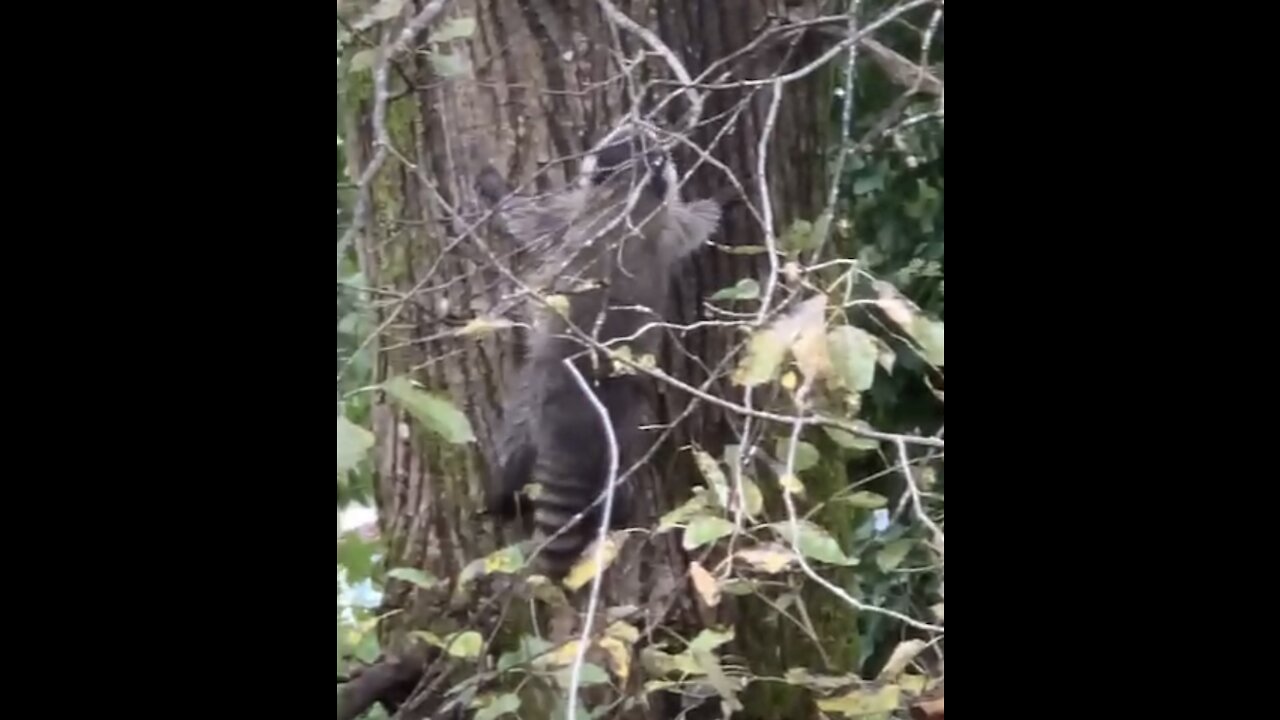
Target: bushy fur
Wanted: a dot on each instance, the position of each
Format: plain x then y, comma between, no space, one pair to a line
552,434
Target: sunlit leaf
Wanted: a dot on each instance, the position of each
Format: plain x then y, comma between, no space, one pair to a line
435,413
466,644
705,529
558,303
866,499
765,353
353,442
791,484
854,356
862,702
714,476
771,558
507,703
746,289
892,554
428,637
811,348
453,29
482,325
938,611
929,334
823,683
418,577
657,663
586,568
624,631
507,560
619,657
815,542
903,653
705,583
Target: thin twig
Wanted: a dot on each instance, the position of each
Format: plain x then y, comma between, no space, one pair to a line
601,535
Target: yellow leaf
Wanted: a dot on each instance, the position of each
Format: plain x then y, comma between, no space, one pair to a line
558,303
862,702
810,349
789,380
623,631
904,653
619,657
506,560
585,569
791,484
428,637
563,655
912,683
770,558
705,583
483,325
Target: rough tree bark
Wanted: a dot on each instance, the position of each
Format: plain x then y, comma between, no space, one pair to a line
541,86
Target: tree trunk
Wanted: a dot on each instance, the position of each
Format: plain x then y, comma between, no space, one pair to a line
537,90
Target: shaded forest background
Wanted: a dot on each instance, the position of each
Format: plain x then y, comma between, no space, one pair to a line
787,561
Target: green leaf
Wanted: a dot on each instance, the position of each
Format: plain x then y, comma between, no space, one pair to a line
501,705
705,529
465,645
363,60
417,577
353,442
854,356
530,647
682,514
714,476
368,650
507,560
815,542
709,640
765,353
747,289
799,237
929,334
806,454
450,66
867,500
435,413
453,29
591,674
892,555
356,555
861,703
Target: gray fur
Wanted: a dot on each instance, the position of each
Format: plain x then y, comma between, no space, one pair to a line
552,433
